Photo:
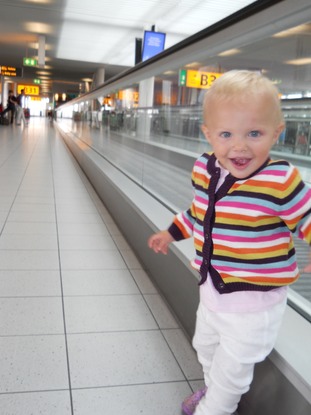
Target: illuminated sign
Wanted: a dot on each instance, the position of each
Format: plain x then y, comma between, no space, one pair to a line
37,81
10,71
128,95
153,44
30,62
182,77
202,80
29,89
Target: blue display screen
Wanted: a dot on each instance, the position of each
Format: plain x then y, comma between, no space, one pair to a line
153,44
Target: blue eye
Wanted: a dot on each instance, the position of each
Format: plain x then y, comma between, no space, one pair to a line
225,134
254,133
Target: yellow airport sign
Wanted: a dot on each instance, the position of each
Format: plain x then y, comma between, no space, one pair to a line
29,89
201,80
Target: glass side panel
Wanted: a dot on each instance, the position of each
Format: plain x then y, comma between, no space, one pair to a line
151,129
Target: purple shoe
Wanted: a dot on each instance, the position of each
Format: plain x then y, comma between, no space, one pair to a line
189,404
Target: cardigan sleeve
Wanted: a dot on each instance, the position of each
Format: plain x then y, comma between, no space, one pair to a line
295,210
182,226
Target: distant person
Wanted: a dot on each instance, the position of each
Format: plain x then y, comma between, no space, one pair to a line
10,106
244,211
19,109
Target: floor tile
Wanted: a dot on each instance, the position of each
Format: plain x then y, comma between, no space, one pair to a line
88,242
33,363
184,353
33,207
3,216
27,283
107,313
28,228
33,242
95,259
33,192
48,403
33,216
79,205
82,229
78,217
35,315
121,358
161,312
71,192
98,282
37,199
196,384
156,399
23,259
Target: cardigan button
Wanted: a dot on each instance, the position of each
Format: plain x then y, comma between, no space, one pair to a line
221,285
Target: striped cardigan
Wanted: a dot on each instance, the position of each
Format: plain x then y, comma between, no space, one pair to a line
243,232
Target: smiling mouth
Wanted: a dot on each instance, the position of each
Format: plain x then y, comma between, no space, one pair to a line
240,162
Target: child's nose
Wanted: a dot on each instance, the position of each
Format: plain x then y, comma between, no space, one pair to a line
239,144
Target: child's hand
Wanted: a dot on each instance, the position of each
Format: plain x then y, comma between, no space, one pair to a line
160,241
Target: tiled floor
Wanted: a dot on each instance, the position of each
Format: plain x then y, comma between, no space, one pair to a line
82,328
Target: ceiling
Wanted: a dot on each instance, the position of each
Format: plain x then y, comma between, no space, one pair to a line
81,36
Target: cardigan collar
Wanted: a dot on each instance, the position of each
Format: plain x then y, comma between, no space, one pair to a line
212,168
214,172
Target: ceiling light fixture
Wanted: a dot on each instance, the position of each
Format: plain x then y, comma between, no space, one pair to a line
299,61
36,27
298,30
230,52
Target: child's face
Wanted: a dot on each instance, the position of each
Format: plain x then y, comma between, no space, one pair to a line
242,134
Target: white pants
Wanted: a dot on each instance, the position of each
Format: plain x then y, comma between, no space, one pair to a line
228,346
20,114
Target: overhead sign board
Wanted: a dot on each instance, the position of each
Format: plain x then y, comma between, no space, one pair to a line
10,71
128,95
203,80
153,44
182,77
29,89
30,62
198,79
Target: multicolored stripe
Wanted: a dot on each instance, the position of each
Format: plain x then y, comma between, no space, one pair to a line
245,237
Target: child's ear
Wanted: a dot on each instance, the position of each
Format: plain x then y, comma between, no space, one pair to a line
205,131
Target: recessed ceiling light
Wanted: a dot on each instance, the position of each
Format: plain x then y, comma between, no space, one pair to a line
40,28
43,73
303,28
230,52
193,65
39,1
299,61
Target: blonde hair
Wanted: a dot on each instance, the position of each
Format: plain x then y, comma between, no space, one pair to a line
242,85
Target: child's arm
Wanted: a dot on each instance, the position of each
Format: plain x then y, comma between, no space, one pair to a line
160,241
